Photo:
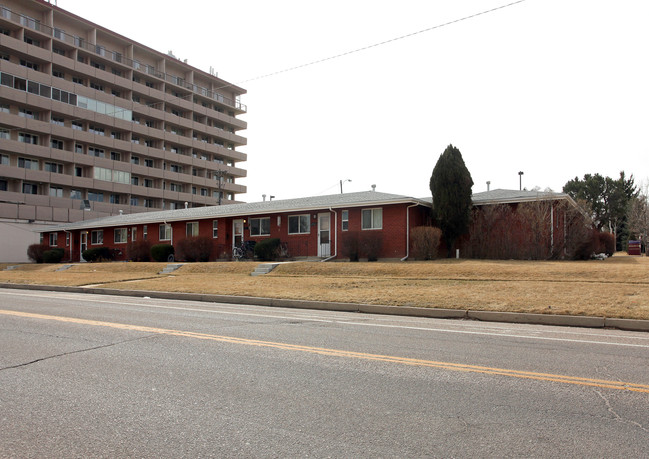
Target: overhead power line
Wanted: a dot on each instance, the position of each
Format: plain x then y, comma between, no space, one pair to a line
385,42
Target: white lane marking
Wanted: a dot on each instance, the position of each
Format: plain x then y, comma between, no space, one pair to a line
346,322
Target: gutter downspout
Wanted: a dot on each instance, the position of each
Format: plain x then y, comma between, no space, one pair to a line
408,231
336,234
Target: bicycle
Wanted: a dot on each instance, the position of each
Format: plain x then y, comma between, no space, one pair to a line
244,251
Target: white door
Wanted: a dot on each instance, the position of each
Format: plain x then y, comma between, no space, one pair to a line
84,244
324,235
237,233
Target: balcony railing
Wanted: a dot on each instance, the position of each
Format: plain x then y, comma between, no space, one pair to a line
80,42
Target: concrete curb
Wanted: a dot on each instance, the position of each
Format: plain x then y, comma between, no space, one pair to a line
487,316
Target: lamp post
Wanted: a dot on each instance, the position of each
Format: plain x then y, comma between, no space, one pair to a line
520,180
341,184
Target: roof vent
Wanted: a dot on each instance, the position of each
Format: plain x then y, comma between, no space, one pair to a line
186,204
373,187
121,212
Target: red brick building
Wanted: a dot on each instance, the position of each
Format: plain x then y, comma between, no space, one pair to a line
369,224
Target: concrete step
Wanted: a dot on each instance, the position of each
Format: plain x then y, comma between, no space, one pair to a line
171,268
264,268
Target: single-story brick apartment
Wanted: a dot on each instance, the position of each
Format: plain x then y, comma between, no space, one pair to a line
317,227
309,227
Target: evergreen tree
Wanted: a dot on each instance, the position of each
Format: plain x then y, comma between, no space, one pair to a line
608,200
450,185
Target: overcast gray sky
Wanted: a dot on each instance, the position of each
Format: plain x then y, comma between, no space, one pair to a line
553,88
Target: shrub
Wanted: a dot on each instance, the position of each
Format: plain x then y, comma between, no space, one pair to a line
351,246
194,248
587,246
53,255
606,243
268,249
99,254
162,252
425,242
139,251
371,243
35,252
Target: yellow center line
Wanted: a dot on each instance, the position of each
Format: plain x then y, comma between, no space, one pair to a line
620,385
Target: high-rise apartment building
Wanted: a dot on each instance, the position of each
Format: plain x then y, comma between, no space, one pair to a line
92,123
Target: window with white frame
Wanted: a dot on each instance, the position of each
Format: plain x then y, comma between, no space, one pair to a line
298,224
53,239
372,219
144,232
192,229
165,232
120,236
134,234
215,229
97,237
344,220
260,226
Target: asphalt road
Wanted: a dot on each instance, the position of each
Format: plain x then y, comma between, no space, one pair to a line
100,376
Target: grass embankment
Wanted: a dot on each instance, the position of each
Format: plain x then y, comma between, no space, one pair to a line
617,287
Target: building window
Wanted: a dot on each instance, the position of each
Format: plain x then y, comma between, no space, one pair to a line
97,237
94,196
57,144
372,219
98,152
56,192
148,162
148,183
298,224
75,194
28,138
114,198
77,125
30,188
4,160
53,239
165,232
28,163
135,181
134,201
120,236
192,229
115,156
59,121
4,186
135,160
148,203
144,232
4,134
78,80
345,220
78,148
53,167
215,229
260,226
28,114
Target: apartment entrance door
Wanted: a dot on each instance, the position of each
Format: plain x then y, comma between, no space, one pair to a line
324,235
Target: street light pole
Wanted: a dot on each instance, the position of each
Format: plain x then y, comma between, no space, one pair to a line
341,184
520,180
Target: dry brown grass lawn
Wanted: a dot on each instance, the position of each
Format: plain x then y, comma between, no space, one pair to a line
617,287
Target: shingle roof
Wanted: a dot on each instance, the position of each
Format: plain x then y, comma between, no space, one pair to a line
334,201
500,196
